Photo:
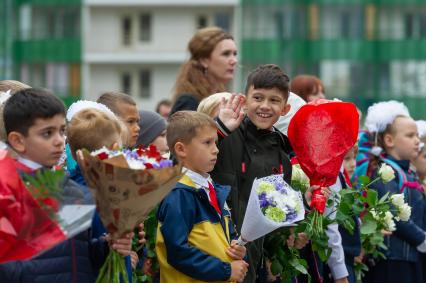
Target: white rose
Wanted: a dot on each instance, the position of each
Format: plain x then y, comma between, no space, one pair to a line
386,173
397,200
389,223
404,212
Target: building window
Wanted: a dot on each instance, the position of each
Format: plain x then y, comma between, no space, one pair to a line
126,83
223,20
145,27
145,83
127,30
202,21
414,25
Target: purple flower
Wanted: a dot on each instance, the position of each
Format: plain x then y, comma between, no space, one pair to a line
263,201
291,214
166,163
280,188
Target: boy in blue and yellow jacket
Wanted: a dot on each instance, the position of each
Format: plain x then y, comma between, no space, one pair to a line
195,233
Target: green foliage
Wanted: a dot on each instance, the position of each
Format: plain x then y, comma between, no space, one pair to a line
285,261
45,187
44,183
150,228
364,202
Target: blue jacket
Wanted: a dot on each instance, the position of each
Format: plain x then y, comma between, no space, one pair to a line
98,229
408,235
192,237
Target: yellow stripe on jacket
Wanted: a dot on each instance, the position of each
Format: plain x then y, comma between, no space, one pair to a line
206,236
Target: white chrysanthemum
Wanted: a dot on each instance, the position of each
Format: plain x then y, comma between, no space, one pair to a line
397,200
87,104
386,173
421,128
389,223
135,164
404,212
99,151
382,114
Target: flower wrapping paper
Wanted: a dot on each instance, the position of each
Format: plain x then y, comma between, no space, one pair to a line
256,224
125,196
26,228
321,133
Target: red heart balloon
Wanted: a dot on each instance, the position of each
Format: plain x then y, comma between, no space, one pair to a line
321,133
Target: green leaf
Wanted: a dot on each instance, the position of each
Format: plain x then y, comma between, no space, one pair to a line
363,181
371,197
276,267
384,198
368,227
298,265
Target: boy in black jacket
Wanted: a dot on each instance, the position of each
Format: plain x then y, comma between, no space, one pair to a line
253,148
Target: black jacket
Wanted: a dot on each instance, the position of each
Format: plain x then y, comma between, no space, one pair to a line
185,102
246,154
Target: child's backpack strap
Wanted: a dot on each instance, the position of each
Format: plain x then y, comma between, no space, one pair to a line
363,156
364,145
402,178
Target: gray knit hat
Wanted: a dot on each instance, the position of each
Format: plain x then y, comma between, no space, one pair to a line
151,126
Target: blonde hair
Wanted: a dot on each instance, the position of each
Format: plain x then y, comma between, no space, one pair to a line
183,126
13,86
93,129
209,105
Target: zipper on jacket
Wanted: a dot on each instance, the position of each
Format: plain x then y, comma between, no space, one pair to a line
203,196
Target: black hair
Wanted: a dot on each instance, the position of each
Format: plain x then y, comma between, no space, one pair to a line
25,106
267,77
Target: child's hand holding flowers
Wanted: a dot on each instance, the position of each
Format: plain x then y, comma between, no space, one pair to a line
122,245
236,251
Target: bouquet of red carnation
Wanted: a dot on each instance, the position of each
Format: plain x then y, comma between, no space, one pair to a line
127,185
36,211
321,133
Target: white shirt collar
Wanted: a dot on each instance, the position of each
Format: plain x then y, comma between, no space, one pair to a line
199,180
29,163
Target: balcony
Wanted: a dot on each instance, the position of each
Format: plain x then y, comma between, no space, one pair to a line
47,50
270,50
49,2
333,2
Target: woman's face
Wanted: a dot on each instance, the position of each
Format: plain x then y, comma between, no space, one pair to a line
318,94
222,62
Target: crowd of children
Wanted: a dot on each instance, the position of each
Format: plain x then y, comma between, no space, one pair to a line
223,147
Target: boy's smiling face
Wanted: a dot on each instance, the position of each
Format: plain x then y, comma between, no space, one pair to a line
44,142
265,106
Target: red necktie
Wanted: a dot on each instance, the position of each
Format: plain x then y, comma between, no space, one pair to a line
213,198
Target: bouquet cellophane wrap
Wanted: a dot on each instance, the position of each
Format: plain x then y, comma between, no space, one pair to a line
26,228
124,196
256,224
321,133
